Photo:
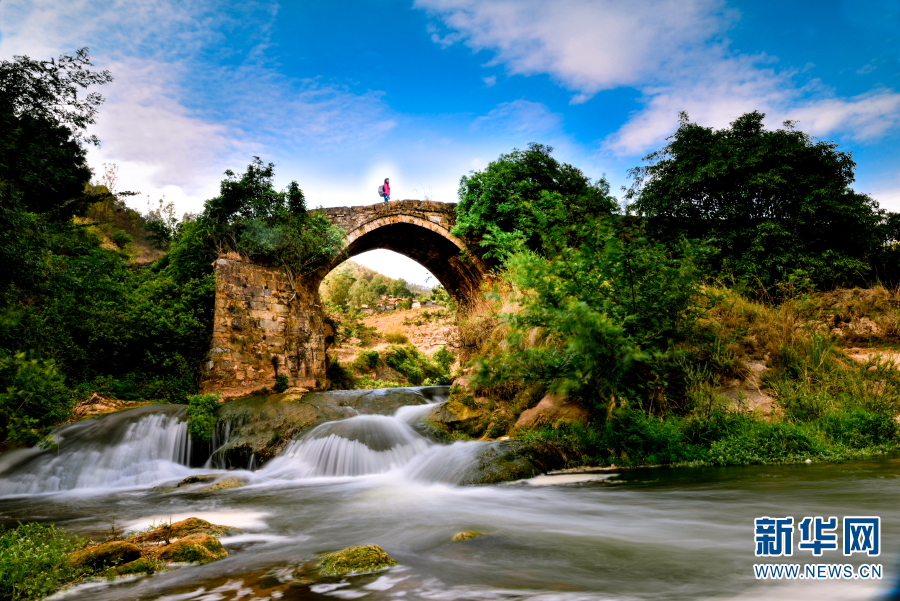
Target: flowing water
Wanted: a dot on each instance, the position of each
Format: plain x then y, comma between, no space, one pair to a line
613,535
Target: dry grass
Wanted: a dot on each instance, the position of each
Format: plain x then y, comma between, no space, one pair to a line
400,327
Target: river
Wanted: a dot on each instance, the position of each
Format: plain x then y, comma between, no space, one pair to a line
650,533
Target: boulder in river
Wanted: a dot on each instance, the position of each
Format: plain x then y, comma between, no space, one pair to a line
224,484
167,532
355,560
499,461
466,535
105,555
194,548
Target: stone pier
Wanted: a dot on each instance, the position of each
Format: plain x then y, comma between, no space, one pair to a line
264,325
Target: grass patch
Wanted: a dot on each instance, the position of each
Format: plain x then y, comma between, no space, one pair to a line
396,337
34,562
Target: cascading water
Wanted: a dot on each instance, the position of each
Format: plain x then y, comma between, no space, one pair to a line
367,444
150,445
376,444
133,448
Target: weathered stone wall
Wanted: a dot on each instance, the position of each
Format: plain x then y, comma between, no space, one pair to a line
264,325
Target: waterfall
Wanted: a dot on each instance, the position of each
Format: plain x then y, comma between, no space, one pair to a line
133,448
366,444
150,445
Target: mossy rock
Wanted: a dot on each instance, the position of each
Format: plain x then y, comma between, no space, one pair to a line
144,565
196,548
466,535
178,530
226,484
197,480
106,555
499,461
355,560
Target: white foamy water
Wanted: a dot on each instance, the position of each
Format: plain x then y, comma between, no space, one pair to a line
135,448
366,444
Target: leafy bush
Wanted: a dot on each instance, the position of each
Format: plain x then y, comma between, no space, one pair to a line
121,239
34,562
340,377
444,359
202,418
367,360
33,398
602,320
415,365
281,383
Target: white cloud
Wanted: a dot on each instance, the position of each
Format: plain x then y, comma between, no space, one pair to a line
588,45
175,118
672,51
520,117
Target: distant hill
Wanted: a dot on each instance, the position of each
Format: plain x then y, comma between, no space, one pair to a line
354,285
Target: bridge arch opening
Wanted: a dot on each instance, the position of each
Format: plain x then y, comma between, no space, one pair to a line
427,243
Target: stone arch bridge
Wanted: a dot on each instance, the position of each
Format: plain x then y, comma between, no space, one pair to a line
267,323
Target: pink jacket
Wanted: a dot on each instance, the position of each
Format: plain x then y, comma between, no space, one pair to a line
387,189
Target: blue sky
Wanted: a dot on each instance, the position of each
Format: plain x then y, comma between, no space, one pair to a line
340,95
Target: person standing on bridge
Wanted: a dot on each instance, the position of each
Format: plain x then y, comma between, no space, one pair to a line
386,189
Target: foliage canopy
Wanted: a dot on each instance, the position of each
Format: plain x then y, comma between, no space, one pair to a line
523,193
601,320
254,219
770,201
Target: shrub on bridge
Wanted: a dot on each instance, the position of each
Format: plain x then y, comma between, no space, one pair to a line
269,226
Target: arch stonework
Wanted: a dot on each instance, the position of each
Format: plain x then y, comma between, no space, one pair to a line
266,323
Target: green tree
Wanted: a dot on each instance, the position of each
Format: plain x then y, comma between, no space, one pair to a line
380,284
601,320
338,289
360,293
43,116
399,289
770,201
523,193
43,170
269,226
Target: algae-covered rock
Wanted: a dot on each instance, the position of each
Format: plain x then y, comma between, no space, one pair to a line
225,484
197,480
195,548
105,555
355,560
466,535
180,529
499,461
144,565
